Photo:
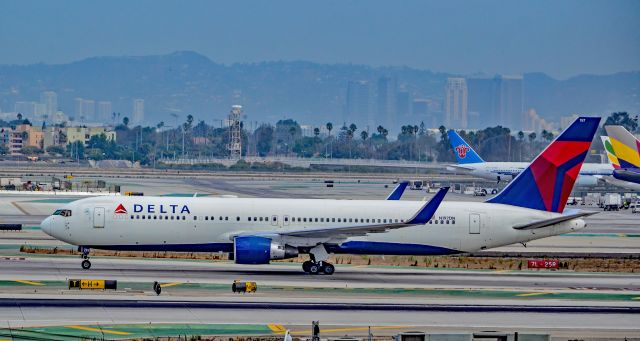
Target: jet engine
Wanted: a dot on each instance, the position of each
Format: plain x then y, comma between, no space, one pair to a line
260,250
586,180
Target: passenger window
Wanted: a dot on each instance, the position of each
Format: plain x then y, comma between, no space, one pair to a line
132,217
315,220
195,217
367,220
220,217
339,220
286,218
226,218
206,217
304,220
144,217
447,222
436,222
260,218
237,218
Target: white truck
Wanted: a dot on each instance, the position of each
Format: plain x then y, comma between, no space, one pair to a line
612,202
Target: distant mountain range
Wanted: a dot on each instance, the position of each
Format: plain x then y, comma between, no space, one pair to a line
190,83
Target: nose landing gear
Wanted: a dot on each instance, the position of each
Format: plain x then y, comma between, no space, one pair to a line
86,264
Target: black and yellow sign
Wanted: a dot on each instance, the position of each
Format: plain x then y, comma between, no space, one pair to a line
92,284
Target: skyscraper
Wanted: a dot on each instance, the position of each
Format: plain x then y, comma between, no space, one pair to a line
138,111
85,109
50,101
403,104
104,111
497,101
510,102
456,104
386,101
358,106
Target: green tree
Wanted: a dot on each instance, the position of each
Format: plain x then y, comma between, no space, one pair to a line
4,150
30,150
125,121
55,150
622,119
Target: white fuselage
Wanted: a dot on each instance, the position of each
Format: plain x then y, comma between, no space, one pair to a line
506,171
209,224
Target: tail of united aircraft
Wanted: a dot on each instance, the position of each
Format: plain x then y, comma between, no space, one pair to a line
624,146
463,151
547,182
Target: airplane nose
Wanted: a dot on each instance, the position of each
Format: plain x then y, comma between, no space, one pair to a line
45,225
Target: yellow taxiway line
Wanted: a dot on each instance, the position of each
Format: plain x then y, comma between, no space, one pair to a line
277,328
533,294
106,331
28,282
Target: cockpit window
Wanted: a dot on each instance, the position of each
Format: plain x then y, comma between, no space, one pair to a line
64,213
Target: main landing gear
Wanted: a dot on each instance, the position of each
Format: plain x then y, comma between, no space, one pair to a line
316,268
86,264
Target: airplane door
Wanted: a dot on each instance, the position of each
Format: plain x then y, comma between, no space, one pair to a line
98,217
274,220
286,220
474,223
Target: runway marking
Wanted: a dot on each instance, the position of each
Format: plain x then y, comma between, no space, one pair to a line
170,284
28,282
347,329
20,208
106,331
277,328
533,294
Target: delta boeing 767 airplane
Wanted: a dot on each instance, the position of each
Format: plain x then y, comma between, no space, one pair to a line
258,230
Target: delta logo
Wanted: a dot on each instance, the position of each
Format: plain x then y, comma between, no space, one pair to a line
462,151
120,209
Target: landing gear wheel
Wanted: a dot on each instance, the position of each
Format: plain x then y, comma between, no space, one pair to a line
314,268
86,264
328,268
306,265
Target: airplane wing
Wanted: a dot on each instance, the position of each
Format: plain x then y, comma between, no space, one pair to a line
548,222
420,218
454,168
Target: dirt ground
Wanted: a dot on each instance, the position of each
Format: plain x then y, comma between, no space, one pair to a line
447,262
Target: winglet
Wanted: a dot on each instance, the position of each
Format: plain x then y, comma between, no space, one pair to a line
463,151
398,191
429,208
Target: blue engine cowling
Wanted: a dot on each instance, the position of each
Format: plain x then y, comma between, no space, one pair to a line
627,174
260,250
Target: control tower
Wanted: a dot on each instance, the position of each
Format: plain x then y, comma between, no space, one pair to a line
235,139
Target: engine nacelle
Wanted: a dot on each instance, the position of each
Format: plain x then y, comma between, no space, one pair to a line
260,250
586,180
631,175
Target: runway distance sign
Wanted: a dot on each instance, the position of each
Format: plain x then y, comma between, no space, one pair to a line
543,264
92,284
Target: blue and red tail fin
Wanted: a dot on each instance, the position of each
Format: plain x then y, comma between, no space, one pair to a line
547,182
463,151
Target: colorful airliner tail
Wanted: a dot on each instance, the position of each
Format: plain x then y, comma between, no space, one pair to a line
611,155
626,147
463,151
547,182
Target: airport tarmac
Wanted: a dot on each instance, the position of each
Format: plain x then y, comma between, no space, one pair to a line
567,304
199,292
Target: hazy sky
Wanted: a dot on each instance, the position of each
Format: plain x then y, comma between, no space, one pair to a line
562,38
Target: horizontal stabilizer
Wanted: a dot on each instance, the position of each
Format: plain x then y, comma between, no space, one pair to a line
548,222
398,191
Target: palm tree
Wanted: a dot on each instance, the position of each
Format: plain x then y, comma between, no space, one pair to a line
316,132
364,135
19,116
125,121
329,128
